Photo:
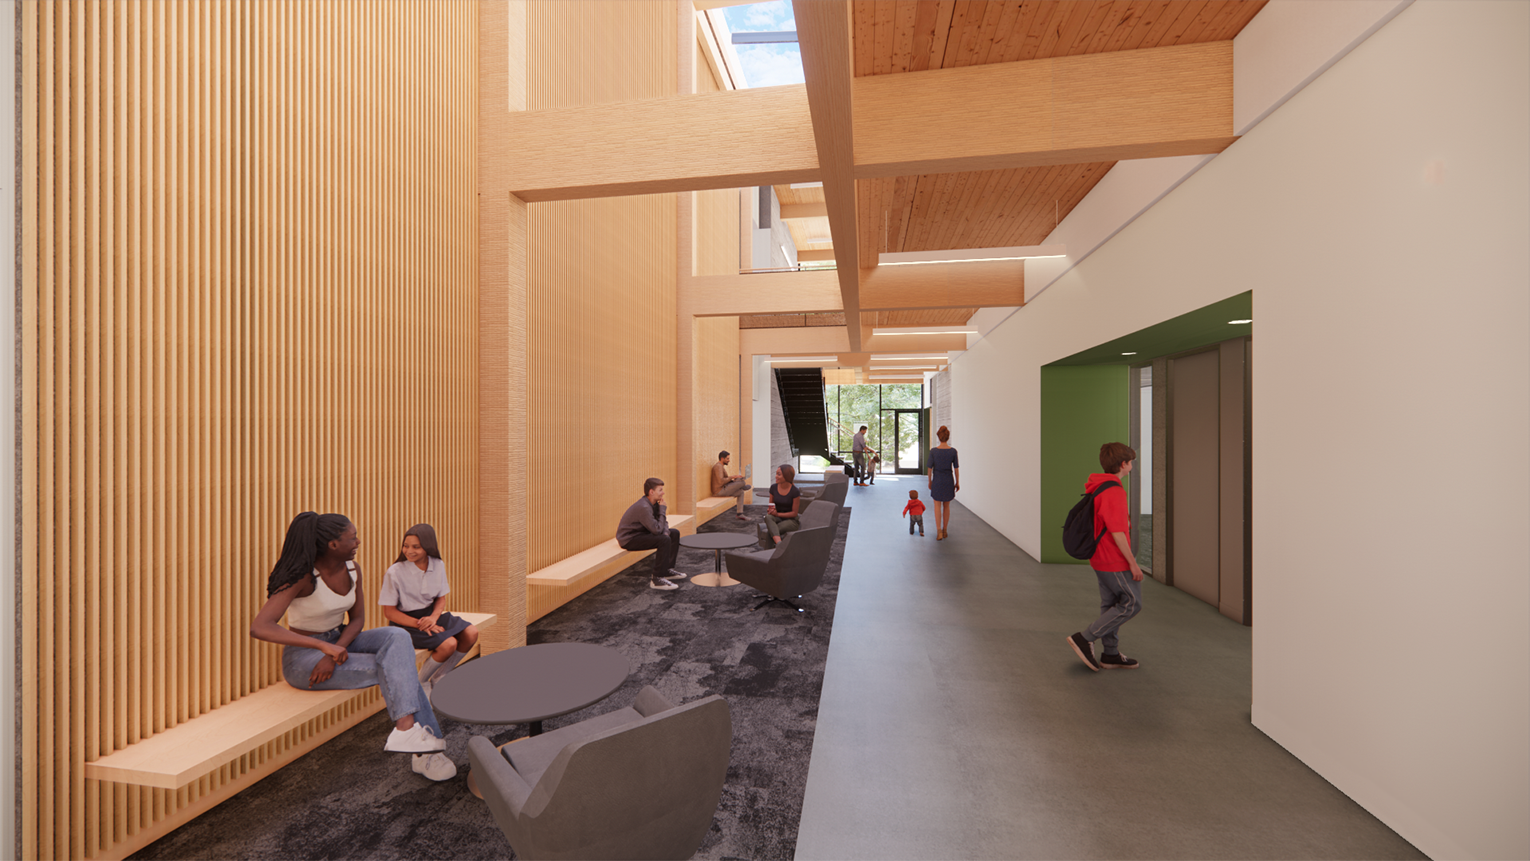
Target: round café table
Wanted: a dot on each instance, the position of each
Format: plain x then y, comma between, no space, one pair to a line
529,685
717,542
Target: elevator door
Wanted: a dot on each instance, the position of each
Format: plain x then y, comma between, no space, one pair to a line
1194,486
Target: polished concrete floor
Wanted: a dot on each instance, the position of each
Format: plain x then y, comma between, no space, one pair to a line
955,722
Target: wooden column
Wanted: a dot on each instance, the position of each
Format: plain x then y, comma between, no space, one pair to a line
501,330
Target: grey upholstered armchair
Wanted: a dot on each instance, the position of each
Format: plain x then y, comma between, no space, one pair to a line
791,570
639,782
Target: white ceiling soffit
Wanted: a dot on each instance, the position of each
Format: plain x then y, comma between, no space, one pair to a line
1283,49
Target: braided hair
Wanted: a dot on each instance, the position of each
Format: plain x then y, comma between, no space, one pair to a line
307,539
427,537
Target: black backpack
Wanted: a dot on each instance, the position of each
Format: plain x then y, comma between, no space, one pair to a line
1078,530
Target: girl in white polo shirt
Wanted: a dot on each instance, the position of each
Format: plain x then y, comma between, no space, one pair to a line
413,597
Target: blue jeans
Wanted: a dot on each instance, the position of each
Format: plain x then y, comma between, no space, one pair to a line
1120,600
382,657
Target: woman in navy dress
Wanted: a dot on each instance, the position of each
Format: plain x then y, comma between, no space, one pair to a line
945,480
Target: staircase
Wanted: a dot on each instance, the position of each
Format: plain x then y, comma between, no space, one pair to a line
806,418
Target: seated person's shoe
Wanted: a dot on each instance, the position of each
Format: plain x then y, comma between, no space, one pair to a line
1118,662
416,739
675,575
661,584
434,766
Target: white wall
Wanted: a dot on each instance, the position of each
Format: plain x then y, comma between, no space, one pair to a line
1382,219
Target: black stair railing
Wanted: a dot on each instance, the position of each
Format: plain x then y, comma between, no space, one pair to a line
803,408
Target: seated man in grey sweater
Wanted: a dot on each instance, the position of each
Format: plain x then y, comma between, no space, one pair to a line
645,527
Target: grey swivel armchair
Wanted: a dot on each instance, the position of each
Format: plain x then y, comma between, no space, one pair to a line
819,512
791,570
639,782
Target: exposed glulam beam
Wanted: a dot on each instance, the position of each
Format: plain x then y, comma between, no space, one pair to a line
810,292
823,340
1067,110
734,139
804,210
1148,103
930,286
826,42
991,284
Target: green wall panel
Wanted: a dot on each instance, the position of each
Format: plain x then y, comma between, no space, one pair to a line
1082,408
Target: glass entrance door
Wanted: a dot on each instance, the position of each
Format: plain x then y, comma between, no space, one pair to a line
908,442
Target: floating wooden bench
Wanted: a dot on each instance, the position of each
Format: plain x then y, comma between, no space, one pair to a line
601,560
182,754
708,508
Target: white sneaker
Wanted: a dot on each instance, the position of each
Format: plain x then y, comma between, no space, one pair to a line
416,739
434,766
676,575
662,584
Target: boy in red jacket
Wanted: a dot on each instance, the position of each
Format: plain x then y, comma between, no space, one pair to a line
1114,564
915,512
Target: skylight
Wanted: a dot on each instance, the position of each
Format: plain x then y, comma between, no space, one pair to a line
768,65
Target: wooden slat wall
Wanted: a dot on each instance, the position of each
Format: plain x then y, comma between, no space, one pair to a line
715,402
601,281
248,290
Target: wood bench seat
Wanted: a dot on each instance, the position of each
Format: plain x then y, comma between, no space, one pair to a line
708,508
606,557
184,753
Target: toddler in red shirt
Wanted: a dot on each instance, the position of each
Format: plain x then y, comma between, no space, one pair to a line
915,512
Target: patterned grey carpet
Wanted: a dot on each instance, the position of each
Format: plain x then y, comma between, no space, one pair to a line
349,800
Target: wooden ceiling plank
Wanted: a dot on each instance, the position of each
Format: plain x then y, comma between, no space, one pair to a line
1126,26
903,209
972,208
998,15
865,12
942,36
1027,203
934,188
1187,16
886,32
905,17
1152,13
1020,199
1073,26
828,65
974,29
1225,19
1203,19
966,20
924,35
1165,22
1102,107
869,214
1039,222
1100,35
1062,19
1003,32
1093,23
1018,42
630,148
1244,13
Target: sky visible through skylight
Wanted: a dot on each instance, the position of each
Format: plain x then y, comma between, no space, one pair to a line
766,65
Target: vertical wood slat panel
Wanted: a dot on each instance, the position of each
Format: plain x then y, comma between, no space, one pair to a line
600,294
206,331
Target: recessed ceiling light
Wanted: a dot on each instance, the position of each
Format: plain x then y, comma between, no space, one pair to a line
807,185
1237,322
1128,354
